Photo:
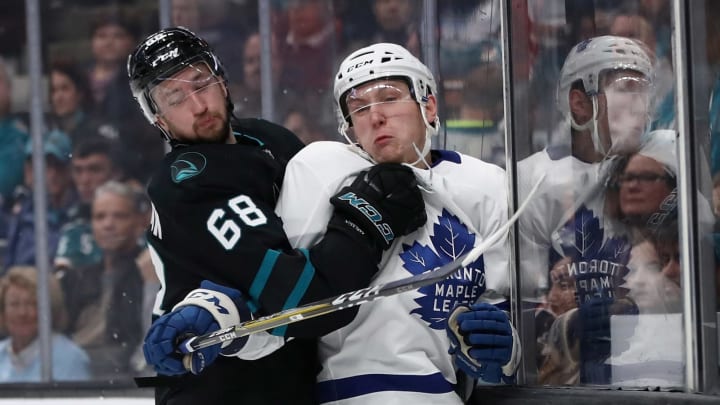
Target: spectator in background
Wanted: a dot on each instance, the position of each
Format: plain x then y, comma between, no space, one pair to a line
631,24
106,301
13,136
185,13
223,24
666,242
309,45
464,22
71,105
112,38
645,189
478,129
465,59
300,122
465,27
94,162
247,94
646,179
356,17
657,12
394,23
60,197
549,32
655,278
19,352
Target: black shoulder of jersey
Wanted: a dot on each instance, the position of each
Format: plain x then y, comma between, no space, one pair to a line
282,142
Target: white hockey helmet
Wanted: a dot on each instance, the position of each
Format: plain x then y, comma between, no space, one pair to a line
382,61
590,58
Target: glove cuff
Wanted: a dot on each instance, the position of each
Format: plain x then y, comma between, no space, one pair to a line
220,306
349,227
258,345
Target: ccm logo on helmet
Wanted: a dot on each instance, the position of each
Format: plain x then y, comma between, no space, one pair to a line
358,65
155,39
173,53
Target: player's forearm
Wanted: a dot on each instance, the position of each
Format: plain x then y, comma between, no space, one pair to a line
342,264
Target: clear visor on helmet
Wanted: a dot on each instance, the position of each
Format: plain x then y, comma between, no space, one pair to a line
173,91
628,83
384,97
628,110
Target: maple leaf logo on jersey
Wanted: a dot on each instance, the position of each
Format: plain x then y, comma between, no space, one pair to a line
187,165
450,240
597,264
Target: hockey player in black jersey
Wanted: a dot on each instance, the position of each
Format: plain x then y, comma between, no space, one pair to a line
216,242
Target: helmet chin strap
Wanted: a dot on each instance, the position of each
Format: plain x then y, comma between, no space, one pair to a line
353,145
592,126
430,131
425,185
165,134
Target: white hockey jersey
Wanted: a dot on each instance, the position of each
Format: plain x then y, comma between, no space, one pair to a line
395,350
567,218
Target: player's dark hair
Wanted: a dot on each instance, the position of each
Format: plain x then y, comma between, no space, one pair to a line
78,78
98,146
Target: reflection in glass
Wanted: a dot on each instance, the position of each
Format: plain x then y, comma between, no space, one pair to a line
578,240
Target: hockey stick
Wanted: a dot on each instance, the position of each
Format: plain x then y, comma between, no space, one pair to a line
353,298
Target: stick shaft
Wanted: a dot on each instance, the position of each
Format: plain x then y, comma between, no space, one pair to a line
354,298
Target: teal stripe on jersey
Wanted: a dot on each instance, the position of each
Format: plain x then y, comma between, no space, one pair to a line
261,143
299,291
262,276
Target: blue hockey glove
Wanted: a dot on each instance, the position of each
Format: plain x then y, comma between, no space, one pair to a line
597,339
481,339
203,310
594,324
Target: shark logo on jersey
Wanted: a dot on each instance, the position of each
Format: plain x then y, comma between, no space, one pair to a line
598,265
450,239
187,165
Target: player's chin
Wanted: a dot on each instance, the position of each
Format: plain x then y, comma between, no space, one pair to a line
387,155
112,242
211,135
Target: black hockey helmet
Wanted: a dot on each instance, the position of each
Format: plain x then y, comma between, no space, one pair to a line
160,56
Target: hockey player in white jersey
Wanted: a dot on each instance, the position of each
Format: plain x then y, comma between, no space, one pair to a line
604,93
395,351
